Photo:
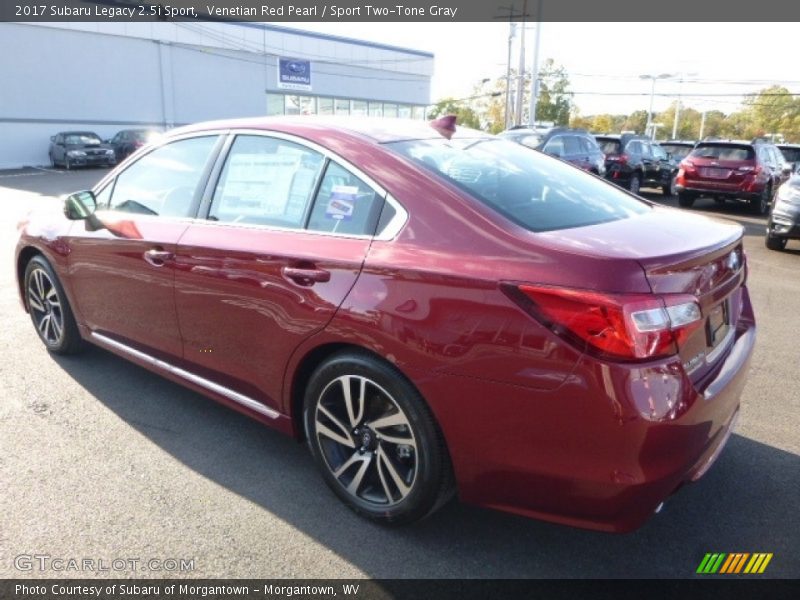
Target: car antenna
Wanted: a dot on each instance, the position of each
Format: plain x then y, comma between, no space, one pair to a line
446,125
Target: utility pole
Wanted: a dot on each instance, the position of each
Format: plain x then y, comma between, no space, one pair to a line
702,125
535,67
675,122
511,32
521,74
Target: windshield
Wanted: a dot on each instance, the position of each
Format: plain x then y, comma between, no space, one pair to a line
723,152
677,152
608,146
533,190
83,139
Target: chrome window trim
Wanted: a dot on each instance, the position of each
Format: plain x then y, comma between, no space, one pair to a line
191,377
388,233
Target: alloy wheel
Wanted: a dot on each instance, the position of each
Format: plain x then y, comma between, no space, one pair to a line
366,440
45,306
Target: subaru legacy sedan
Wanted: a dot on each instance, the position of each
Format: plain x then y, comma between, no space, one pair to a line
434,314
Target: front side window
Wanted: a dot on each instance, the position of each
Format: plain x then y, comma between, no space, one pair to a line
164,182
266,181
555,147
530,189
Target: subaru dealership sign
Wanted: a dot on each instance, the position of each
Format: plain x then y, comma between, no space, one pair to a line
294,74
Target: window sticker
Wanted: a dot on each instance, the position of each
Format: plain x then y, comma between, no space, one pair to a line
342,202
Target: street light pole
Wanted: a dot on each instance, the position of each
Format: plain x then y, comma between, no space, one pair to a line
521,74
653,78
511,32
535,67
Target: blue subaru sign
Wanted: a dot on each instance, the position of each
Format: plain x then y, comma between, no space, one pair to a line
294,74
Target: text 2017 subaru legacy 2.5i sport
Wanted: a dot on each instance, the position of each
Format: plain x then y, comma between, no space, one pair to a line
435,314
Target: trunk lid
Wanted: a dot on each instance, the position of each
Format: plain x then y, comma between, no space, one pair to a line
682,254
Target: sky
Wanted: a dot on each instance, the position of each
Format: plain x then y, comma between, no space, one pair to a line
605,58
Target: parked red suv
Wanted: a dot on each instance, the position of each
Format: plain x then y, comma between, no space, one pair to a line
431,315
730,170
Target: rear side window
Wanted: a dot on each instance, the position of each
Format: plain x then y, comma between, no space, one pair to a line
608,146
587,144
571,145
345,204
529,188
723,152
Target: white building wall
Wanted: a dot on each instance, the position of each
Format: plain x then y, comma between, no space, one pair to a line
105,77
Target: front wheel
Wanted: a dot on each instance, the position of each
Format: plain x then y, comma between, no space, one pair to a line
774,242
635,183
49,309
375,440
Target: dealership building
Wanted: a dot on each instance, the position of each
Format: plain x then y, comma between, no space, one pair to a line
104,77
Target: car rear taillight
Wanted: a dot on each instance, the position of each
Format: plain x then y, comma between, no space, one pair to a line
687,166
750,169
617,326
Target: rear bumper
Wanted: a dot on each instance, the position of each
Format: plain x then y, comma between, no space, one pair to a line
587,454
87,161
747,191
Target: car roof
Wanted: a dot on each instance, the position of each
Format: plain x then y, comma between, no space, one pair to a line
76,133
679,142
380,130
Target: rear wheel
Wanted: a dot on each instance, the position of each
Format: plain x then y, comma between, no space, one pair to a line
49,309
668,189
760,205
635,183
685,200
375,440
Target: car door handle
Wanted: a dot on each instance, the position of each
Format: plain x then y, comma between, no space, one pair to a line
158,256
305,276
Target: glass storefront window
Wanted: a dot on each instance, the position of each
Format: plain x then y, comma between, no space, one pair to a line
342,106
325,106
390,110
417,112
404,112
375,109
359,108
275,103
300,105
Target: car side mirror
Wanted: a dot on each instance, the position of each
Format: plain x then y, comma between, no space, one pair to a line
80,205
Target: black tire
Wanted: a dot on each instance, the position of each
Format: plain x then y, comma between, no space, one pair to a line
635,184
760,205
370,484
668,189
774,242
720,200
53,164
67,164
49,308
685,200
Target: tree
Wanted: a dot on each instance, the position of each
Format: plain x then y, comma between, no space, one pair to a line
465,116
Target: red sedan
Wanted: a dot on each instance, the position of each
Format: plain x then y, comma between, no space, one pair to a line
434,314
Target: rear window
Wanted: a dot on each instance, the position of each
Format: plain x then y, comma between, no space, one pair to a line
677,152
531,189
723,152
791,154
608,146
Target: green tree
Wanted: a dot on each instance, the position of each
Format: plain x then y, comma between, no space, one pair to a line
465,116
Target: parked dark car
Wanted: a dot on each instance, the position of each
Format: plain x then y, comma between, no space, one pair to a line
128,141
79,149
575,146
791,152
631,163
731,170
784,218
429,314
678,149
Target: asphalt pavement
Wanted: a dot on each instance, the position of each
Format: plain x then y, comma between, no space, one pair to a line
101,460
